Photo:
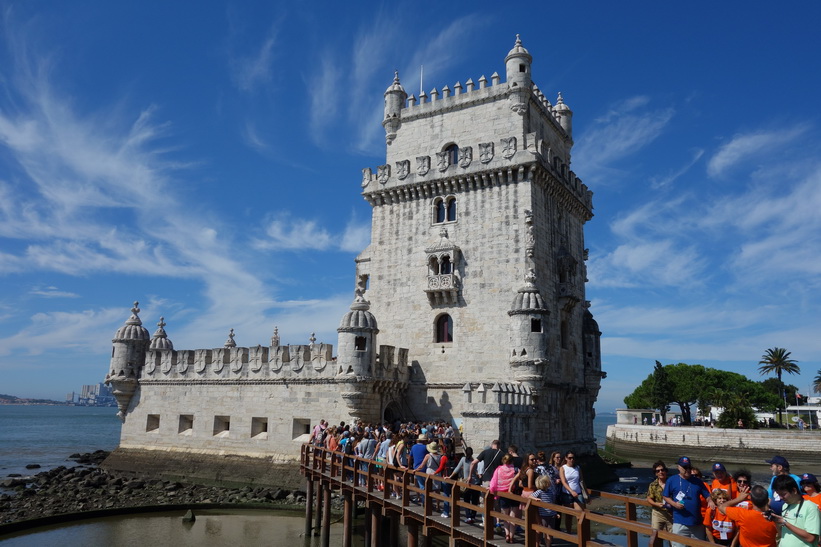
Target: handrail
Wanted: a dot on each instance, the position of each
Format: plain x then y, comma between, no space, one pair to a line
354,471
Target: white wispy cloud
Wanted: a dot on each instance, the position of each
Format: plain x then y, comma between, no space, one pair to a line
669,178
254,69
286,232
52,292
622,132
357,235
751,145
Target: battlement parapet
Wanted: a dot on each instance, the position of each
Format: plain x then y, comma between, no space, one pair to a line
428,105
231,363
498,398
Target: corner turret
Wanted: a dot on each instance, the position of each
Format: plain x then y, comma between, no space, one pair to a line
528,334
395,98
127,359
564,115
357,339
517,65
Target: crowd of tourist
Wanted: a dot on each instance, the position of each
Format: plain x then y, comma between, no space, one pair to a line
731,511
431,447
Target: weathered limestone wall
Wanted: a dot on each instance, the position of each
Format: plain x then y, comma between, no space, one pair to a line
263,420
743,446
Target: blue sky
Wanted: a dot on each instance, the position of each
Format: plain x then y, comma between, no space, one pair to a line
206,162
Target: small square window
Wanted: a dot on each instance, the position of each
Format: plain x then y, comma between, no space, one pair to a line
259,428
222,425
301,426
359,343
153,422
535,325
186,425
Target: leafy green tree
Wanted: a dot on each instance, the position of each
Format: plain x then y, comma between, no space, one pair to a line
662,392
736,407
777,360
640,398
689,383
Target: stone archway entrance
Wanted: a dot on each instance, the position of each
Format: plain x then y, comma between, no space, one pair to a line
392,412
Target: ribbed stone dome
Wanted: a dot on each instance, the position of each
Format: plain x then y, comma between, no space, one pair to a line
518,51
160,339
395,86
528,299
359,318
133,328
590,324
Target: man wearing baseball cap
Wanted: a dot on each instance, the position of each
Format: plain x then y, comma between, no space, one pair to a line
779,466
812,490
723,480
684,493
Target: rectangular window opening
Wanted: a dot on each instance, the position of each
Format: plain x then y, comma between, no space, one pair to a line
359,343
186,425
535,325
301,426
153,422
259,428
222,425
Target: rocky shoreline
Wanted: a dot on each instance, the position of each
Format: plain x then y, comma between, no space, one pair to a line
86,487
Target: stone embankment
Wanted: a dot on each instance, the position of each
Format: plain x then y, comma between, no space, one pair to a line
88,488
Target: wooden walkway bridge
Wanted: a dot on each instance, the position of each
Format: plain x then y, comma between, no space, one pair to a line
370,484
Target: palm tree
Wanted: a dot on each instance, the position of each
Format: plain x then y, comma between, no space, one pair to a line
778,360
816,384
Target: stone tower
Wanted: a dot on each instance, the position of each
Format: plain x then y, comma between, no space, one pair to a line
475,197
127,359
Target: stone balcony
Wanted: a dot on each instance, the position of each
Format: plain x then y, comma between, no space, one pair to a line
443,289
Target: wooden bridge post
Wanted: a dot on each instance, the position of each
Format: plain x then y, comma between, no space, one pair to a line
632,537
347,518
393,538
309,508
413,534
318,510
368,538
325,538
376,518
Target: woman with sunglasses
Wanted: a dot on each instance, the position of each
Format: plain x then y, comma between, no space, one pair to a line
572,481
660,517
744,481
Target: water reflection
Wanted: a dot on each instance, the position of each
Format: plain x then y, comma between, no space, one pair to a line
229,528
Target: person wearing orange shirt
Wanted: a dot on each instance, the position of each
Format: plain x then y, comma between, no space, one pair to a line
812,490
723,480
754,528
722,528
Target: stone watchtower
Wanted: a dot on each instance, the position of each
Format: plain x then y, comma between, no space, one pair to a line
475,198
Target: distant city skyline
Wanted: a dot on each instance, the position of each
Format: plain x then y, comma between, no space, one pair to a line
209,168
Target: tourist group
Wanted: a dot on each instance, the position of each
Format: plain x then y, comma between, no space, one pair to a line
730,510
431,447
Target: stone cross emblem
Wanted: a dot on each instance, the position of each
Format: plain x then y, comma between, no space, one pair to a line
442,160
402,169
509,147
422,165
465,156
485,152
383,173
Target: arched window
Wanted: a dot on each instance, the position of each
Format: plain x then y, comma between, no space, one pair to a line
453,154
444,328
564,334
439,207
451,209
446,265
433,266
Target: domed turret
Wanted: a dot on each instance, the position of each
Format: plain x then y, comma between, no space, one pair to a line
127,359
160,339
528,337
517,65
357,339
395,98
564,115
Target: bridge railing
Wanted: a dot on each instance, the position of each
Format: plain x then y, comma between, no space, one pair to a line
379,480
